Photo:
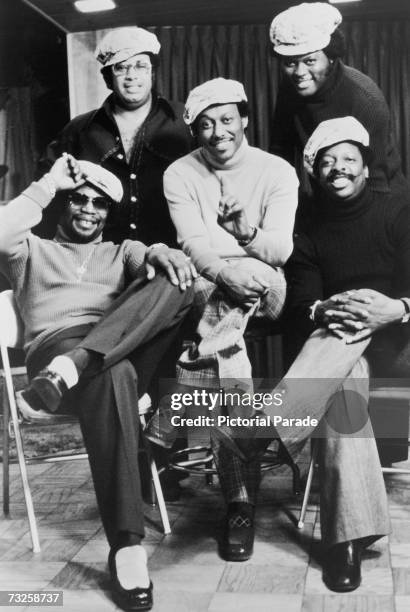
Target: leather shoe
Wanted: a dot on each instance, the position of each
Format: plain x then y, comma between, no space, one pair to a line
128,599
239,532
341,571
50,387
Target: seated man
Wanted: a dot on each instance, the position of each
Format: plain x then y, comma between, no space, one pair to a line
233,207
87,335
347,277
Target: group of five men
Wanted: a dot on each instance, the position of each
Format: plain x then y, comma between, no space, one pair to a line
99,306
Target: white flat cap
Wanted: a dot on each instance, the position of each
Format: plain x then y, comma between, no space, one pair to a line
304,28
331,132
122,43
216,91
102,179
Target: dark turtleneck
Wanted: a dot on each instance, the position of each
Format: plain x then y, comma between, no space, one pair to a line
361,243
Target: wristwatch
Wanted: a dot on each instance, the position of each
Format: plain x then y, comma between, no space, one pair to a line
406,317
247,241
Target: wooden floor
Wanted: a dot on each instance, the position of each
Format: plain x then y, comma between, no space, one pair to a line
283,575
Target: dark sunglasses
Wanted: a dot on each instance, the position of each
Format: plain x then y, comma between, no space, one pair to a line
79,199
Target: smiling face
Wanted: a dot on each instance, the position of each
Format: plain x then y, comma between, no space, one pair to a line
85,214
220,130
341,170
132,81
308,72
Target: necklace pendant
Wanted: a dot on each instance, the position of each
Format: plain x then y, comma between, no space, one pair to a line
80,271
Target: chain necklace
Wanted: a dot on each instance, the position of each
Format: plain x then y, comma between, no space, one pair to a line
81,269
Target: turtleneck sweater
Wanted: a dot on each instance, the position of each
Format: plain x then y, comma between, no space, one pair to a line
264,183
58,283
346,91
356,244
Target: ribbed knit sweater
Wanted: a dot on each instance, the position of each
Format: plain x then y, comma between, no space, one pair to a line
44,274
346,92
264,183
361,244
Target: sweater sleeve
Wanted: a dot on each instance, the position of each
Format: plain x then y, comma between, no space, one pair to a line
134,258
191,229
18,217
273,241
305,284
401,240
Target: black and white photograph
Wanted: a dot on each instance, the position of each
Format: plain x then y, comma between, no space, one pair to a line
205,305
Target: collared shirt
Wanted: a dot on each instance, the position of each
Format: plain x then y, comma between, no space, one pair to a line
163,137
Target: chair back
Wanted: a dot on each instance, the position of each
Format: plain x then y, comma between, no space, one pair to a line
11,324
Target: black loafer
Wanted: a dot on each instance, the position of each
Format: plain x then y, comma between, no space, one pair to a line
50,387
341,571
239,533
128,599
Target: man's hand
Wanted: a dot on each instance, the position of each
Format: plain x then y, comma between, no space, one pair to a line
231,214
242,286
66,173
177,266
355,315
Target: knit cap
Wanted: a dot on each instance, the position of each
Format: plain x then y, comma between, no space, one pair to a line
304,28
331,132
122,43
216,91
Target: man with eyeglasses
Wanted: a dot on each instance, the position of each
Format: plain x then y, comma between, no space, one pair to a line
96,317
136,134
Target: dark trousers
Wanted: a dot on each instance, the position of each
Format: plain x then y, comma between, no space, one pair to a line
130,340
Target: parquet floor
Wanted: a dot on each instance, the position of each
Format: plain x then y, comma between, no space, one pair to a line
283,575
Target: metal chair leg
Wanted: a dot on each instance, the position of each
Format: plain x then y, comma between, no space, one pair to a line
306,495
160,497
156,482
20,452
6,458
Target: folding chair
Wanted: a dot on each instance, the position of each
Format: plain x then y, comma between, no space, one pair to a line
11,336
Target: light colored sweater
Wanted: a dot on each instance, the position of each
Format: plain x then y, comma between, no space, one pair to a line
265,183
50,292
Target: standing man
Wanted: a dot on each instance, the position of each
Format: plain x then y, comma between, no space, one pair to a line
135,135
96,316
233,207
317,86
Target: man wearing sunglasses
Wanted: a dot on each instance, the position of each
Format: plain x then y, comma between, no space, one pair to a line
135,134
97,317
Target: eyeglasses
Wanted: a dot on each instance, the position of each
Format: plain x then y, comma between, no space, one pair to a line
122,69
79,199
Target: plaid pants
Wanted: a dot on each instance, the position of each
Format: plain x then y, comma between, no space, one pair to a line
219,360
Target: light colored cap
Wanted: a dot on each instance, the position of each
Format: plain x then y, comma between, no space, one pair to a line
122,43
304,28
102,179
216,91
331,132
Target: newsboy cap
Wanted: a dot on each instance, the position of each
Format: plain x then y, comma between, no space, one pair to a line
122,43
331,132
101,179
216,91
304,28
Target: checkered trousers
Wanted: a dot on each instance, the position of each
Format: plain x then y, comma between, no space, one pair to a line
220,354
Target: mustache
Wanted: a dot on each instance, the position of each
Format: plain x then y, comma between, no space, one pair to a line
334,174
